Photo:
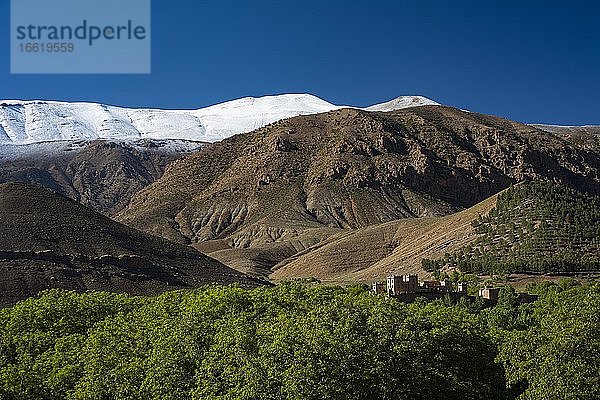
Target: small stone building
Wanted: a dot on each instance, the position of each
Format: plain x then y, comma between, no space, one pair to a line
396,284
489,293
378,287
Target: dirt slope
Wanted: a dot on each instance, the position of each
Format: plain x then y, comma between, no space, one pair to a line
374,252
48,240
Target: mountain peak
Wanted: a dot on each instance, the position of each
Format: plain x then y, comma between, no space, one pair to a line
403,102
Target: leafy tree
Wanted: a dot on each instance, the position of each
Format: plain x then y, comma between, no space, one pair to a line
556,357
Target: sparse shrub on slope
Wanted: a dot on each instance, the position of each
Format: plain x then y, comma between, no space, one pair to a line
535,227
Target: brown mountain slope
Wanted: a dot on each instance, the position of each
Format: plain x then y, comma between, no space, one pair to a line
47,240
396,247
587,137
346,169
100,174
258,247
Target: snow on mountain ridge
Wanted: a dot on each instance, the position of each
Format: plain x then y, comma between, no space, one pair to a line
26,122
403,102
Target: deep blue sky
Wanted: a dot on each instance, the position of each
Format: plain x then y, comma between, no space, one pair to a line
531,61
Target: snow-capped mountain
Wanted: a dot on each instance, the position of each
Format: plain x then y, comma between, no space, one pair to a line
403,102
27,122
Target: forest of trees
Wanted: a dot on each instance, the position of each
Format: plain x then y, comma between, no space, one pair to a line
297,341
535,227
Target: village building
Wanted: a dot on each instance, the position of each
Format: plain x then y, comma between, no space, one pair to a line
489,293
396,284
378,288
407,288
